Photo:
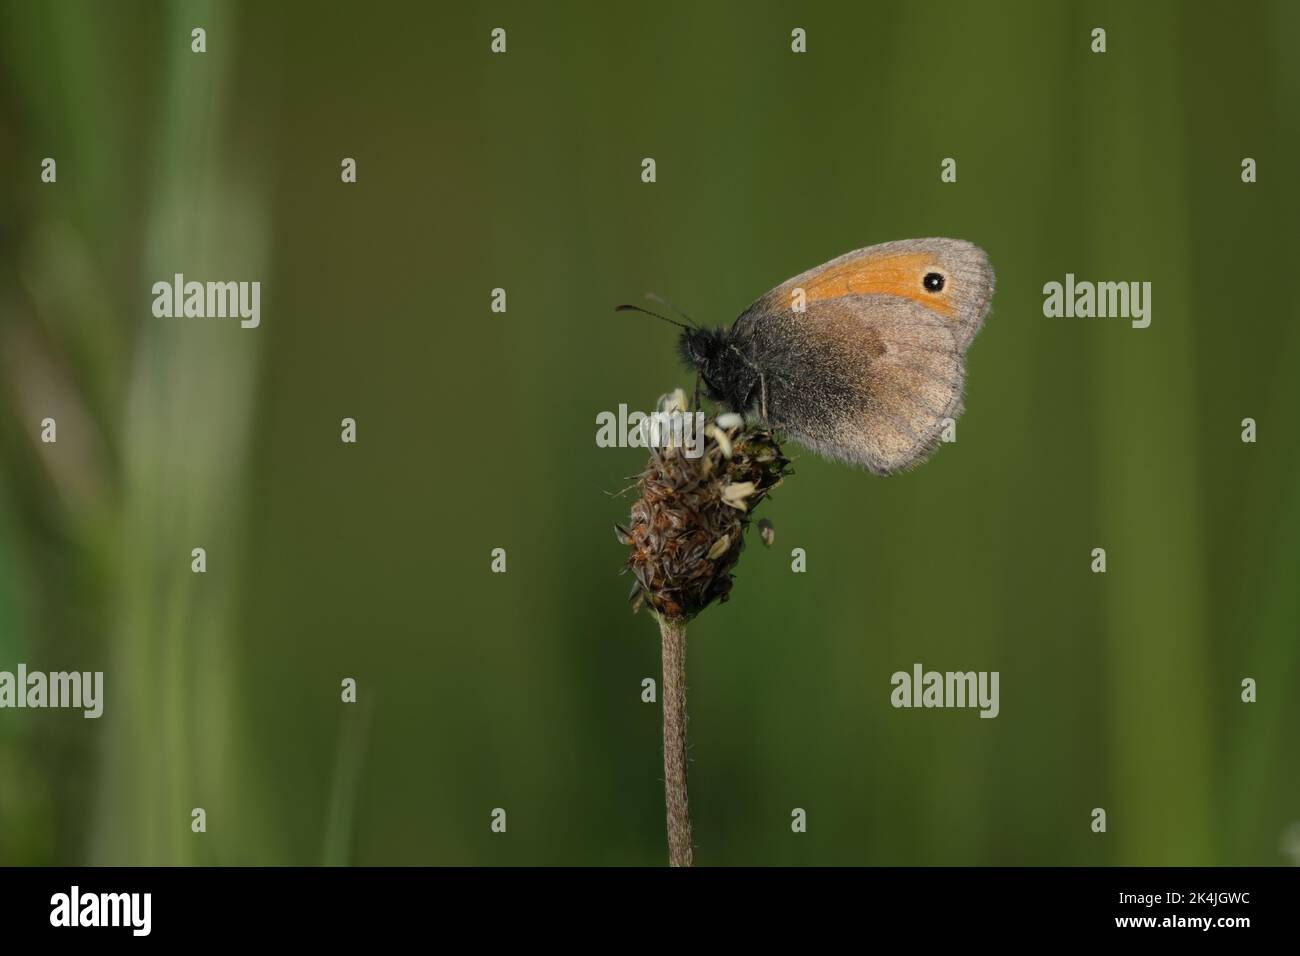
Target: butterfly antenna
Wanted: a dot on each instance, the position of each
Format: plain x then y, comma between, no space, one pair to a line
637,308
654,297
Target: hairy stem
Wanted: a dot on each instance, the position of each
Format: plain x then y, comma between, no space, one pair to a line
680,850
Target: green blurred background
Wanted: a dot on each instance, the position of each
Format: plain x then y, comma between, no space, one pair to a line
476,431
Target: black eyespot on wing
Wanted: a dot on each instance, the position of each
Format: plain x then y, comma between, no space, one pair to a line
933,282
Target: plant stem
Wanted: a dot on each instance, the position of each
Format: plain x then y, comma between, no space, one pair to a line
680,850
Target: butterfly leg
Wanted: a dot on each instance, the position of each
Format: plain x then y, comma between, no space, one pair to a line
762,387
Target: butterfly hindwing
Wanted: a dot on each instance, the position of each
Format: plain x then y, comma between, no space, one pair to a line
874,363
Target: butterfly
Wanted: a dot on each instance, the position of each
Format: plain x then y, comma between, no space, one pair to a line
862,359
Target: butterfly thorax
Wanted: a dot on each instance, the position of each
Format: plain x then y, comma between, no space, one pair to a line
729,377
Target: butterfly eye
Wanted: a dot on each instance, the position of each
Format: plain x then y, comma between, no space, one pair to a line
933,282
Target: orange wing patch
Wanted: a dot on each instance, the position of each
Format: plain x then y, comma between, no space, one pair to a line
897,274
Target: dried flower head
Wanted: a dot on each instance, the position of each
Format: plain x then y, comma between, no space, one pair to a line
688,525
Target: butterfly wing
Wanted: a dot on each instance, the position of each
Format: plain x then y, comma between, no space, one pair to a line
873,364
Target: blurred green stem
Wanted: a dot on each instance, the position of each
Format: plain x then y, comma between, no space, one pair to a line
673,635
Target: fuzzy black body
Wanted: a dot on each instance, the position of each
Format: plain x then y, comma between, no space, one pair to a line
729,376
862,359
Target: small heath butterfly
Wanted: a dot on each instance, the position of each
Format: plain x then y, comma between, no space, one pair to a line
861,359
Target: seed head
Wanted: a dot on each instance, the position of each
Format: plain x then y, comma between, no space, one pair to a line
687,527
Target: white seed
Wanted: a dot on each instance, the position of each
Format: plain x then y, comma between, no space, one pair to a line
736,493
738,489
719,436
730,420
674,401
720,547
